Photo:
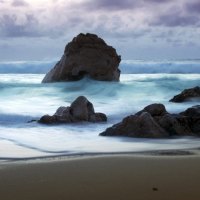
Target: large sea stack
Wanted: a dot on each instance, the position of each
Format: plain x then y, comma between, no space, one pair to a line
86,55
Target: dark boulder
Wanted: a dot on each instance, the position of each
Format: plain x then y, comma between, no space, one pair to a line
155,109
80,110
193,111
155,122
142,125
47,119
175,125
86,55
187,94
193,114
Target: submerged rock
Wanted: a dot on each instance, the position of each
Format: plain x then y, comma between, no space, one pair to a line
155,122
86,54
187,94
80,110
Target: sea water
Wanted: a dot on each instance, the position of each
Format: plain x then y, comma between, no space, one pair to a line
23,98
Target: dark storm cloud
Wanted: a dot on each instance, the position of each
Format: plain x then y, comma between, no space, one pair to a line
10,28
120,4
173,20
193,7
157,1
19,3
135,19
181,14
110,5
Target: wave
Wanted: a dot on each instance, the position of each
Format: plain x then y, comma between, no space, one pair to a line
126,66
23,98
151,67
15,119
26,67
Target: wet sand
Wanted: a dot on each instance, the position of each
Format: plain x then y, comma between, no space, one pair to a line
108,177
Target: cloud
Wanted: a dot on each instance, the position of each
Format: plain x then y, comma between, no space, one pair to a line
174,20
11,27
193,7
119,5
121,21
118,18
110,5
158,1
180,14
19,3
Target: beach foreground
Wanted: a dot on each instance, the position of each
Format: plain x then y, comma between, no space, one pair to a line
119,177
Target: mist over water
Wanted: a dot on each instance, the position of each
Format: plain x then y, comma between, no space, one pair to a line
23,97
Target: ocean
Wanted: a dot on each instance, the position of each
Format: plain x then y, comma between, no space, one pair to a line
23,98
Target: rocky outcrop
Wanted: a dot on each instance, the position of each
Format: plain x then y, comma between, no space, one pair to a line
86,55
187,94
193,114
155,122
155,109
193,111
142,125
80,110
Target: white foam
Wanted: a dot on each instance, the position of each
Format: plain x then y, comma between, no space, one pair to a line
23,97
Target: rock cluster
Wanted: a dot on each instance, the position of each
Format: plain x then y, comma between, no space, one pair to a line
80,110
155,122
187,94
86,55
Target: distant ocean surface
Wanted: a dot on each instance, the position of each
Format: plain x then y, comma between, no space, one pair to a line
23,98
127,67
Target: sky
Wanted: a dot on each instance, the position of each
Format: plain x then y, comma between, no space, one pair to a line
138,29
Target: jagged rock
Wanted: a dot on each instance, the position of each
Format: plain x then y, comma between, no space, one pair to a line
175,125
64,115
155,109
193,114
47,119
142,125
155,122
86,54
97,117
80,110
187,94
194,111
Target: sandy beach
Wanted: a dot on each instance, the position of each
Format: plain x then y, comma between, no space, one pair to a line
119,177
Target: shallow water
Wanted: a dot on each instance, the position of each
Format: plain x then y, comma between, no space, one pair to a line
23,97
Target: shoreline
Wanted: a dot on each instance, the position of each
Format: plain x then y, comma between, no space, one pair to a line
152,153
